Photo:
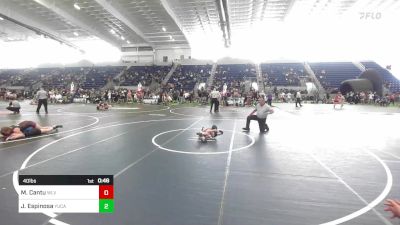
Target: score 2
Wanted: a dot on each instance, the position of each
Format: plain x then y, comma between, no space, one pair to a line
106,201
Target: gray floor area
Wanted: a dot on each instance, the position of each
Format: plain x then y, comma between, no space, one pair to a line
317,165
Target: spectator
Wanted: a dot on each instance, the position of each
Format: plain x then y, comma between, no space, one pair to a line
269,99
14,106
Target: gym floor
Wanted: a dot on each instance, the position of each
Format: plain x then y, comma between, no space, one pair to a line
317,165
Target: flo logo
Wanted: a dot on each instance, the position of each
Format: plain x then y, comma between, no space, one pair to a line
370,15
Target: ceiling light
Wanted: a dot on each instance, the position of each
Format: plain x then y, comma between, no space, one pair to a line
1,18
76,6
128,42
112,31
122,38
76,34
163,28
170,37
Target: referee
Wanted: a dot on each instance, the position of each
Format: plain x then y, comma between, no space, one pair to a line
41,96
215,96
262,110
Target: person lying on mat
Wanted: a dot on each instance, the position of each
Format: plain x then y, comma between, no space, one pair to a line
208,133
394,207
26,129
102,106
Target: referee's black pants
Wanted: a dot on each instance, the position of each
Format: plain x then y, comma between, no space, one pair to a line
214,101
40,103
261,123
298,100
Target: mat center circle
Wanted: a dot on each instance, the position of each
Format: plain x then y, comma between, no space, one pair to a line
186,141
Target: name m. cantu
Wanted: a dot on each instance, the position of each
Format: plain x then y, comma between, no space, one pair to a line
33,192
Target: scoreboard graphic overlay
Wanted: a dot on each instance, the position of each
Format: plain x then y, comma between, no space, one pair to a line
66,193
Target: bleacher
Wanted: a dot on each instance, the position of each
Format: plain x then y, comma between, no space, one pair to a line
232,74
144,74
88,77
389,80
61,77
283,74
14,76
332,74
186,76
99,76
19,77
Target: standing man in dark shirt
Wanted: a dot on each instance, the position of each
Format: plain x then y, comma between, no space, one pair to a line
269,99
298,98
41,96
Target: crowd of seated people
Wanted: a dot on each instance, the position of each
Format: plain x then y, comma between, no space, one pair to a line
86,77
28,77
14,77
239,97
57,81
170,94
91,95
180,96
9,75
235,90
144,74
286,94
98,77
283,74
390,81
332,74
61,78
111,96
372,98
49,76
12,94
322,77
234,74
186,76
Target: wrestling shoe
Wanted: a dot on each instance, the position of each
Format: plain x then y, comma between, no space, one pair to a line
57,126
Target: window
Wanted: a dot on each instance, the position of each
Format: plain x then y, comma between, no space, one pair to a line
145,49
129,49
